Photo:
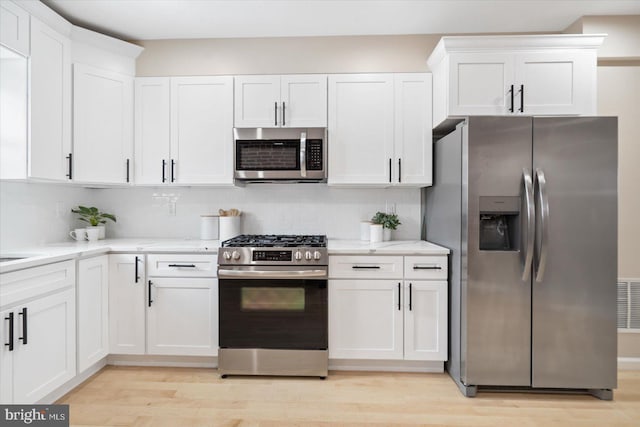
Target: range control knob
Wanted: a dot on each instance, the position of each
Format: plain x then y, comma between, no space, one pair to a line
317,255
308,256
227,255
298,255
235,255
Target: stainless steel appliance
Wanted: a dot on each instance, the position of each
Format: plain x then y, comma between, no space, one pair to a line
273,306
528,206
280,155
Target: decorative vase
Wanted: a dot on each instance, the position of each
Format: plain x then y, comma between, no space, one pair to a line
386,234
375,234
102,231
92,234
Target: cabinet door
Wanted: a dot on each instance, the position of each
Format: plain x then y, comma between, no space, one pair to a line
202,130
556,83
480,83
360,129
48,360
257,100
425,320
182,317
126,304
93,307
50,103
365,319
14,27
413,141
102,125
152,129
304,100
6,355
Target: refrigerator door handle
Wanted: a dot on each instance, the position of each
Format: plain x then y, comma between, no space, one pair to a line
530,228
544,224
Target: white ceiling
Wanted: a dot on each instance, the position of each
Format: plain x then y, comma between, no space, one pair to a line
179,19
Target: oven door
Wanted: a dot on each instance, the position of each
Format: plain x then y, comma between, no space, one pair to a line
273,308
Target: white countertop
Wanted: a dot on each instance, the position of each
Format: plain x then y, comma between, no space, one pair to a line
46,254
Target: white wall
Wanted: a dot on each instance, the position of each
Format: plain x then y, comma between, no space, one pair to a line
33,214
267,208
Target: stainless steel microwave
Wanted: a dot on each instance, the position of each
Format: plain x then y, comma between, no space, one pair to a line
280,155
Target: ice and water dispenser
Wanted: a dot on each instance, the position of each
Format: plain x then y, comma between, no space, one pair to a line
499,223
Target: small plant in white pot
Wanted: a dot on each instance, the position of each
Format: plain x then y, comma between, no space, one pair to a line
94,218
389,222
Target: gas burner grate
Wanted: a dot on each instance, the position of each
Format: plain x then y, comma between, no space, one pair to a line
276,240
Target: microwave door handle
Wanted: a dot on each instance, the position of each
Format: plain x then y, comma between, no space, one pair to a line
303,154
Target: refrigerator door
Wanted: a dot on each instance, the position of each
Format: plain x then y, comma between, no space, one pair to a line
496,299
574,286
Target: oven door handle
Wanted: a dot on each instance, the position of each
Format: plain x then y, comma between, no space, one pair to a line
270,274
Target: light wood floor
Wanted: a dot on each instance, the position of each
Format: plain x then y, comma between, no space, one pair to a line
176,397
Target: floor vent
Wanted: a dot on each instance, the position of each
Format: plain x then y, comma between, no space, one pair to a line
629,304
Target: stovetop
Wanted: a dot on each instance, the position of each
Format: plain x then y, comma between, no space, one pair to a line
276,241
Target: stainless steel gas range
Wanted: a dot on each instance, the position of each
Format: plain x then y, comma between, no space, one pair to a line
273,305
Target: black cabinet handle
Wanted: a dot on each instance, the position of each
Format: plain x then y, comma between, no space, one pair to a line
432,267
410,292
23,313
183,265
275,114
399,292
164,166
399,170
511,92
389,170
150,300
10,343
283,118
363,267
522,98
128,170
173,166
70,159
137,277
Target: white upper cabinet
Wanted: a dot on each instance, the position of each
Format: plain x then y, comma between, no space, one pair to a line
50,143
281,101
380,129
202,130
152,129
102,126
184,130
501,75
412,126
14,27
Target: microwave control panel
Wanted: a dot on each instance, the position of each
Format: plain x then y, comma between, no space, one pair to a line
314,154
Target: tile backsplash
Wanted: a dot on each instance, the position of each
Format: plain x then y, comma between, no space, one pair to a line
39,213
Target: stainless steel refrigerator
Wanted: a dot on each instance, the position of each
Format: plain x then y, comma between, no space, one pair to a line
528,207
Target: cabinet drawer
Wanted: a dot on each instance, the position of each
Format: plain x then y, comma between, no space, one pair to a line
182,265
20,285
425,267
365,267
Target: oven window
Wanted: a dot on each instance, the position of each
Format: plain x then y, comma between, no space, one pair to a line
276,299
263,155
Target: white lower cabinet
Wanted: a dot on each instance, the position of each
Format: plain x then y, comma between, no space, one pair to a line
365,319
182,316
39,334
126,304
93,311
400,318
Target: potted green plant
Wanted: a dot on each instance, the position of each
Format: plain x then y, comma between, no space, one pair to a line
94,217
388,221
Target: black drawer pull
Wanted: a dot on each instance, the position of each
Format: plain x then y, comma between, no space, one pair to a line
183,265
10,343
366,267
431,267
149,296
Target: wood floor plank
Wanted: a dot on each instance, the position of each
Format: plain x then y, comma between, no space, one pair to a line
172,397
